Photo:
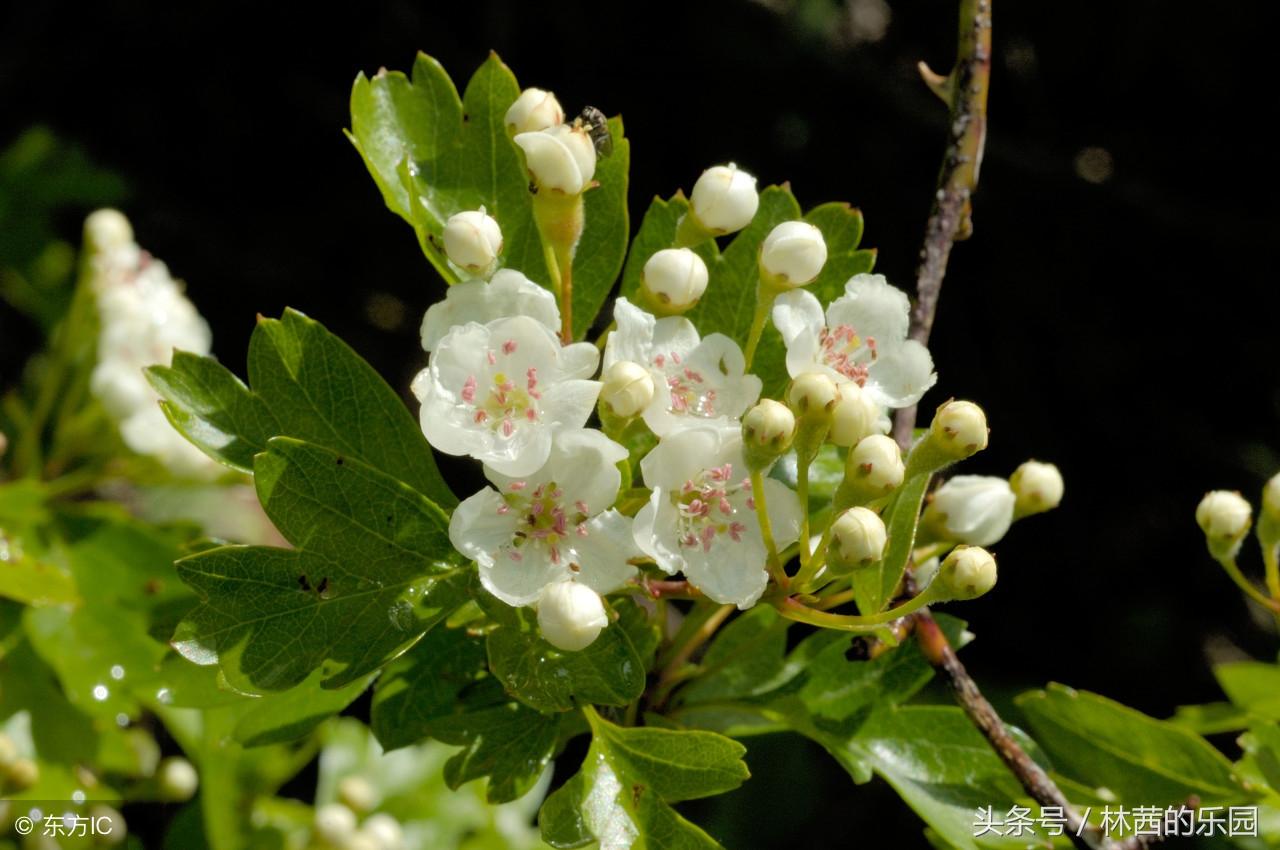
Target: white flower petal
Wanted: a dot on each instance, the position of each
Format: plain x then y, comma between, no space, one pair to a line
784,512
603,553
731,573
569,403
520,582
680,456
632,336
901,374
654,533
797,312
509,293
480,529
873,308
579,359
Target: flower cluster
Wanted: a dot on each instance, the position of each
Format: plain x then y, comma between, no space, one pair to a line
144,316
507,385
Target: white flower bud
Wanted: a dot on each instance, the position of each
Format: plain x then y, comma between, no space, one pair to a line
858,538
1271,499
813,394
533,110
627,388
473,241
562,158
724,199
362,841
571,615
334,824
973,509
106,229
875,467
8,750
1038,486
177,779
22,773
856,415
1224,517
967,573
767,431
357,794
675,278
959,429
793,253
384,830
111,823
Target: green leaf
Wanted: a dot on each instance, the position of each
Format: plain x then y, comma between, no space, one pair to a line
295,713
623,793
742,660
841,227
433,155
1211,718
875,586
440,689
1253,686
1143,761
306,384
608,672
1262,748
373,571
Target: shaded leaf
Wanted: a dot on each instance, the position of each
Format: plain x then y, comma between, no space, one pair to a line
875,586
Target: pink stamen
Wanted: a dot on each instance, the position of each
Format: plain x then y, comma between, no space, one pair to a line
469,390
518,485
509,346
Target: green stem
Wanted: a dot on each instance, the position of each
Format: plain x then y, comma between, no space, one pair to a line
764,300
675,671
793,610
802,491
766,529
1229,564
1271,560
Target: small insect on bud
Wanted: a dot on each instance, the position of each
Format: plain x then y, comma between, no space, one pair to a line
561,158
106,229
858,538
967,573
973,509
334,824
724,199
959,429
674,279
626,388
792,255
384,831
1038,487
177,779
1224,517
813,395
571,615
357,794
874,469
533,110
473,241
855,416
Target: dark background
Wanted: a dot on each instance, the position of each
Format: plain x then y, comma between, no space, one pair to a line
1115,311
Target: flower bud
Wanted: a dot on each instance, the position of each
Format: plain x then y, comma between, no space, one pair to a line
674,279
8,749
724,199
334,824
793,254
967,573
22,773
813,395
1038,487
571,615
357,793
533,110
1224,517
106,229
874,469
959,429
855,416
562,158
473,241
973,509
384,831
858,538
177,779
767,431
627,388
1271,499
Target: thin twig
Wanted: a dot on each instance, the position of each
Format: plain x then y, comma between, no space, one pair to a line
965,91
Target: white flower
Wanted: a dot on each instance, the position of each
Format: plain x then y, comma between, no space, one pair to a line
562,158
973,509
534,110
701,519
509,293
695,380
571,615
675,277
473,241
793,253
861,338
724,199
627,388
500,391
143,316
529,531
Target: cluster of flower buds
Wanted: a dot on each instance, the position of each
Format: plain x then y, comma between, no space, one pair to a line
1225,517
979,509
334,826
